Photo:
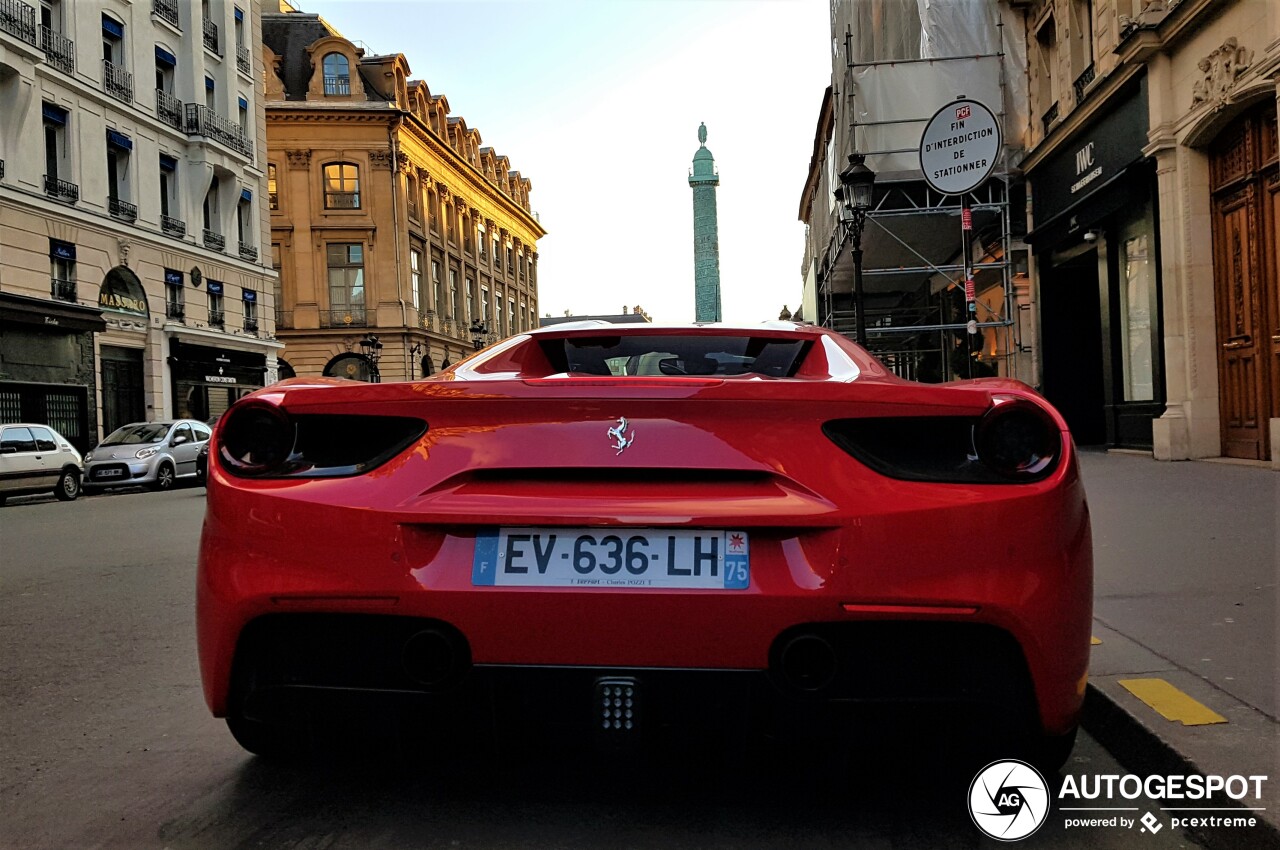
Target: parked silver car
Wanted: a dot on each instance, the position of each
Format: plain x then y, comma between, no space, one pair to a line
37,459
152,454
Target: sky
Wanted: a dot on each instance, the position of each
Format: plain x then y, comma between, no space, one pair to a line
598,103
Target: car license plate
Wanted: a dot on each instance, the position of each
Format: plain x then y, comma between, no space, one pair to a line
612,558
108,473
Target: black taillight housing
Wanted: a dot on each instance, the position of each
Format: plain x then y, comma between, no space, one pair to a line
262,440
1014,441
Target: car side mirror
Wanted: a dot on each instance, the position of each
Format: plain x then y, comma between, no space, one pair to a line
177,441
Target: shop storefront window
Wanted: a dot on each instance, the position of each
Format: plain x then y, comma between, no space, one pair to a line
1135,316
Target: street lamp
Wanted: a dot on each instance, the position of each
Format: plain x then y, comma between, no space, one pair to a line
856,184
372,350
478,332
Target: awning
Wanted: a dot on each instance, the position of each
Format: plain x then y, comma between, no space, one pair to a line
52,316
1122,190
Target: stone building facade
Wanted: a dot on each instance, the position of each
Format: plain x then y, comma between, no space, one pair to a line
132,175
1155,182
390,219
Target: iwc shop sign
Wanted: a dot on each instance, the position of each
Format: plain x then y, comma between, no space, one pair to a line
959,147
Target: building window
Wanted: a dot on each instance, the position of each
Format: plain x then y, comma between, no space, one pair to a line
174,300
467,230
249,300
55,141
511,316
411,192
117,170
342,186
484,303
415,274
497,310
112,42
273,192
210,93
337,74
482,241
62,270
244,224
471,298
346,280
212,221
165,62
436,303
1046,89
496,253
453,295
217,311
243,114
433,210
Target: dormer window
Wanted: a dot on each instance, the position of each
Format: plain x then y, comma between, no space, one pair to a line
337,74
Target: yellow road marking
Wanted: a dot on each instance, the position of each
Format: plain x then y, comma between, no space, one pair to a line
1171,703
1094,641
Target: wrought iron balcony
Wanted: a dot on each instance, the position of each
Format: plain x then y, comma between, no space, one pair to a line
122,209
19,20
251,325
203,121
173,226
211,36
1049,117
1,169
169,108
58,49
167,10
214,241
248,252
117,82
217,318
340,84
63,290
354,317
1082,82
174,310
242,59
342,200
61,189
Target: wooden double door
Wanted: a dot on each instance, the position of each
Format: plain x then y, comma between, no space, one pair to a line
1245,181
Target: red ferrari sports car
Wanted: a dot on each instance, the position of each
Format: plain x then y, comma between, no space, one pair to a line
622,528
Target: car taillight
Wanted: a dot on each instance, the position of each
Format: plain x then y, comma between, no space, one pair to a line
1019,440
256,439
261,440
1014,441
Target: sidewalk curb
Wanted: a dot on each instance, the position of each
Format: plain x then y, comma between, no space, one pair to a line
1141,750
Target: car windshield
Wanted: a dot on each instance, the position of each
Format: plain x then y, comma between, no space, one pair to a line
132,435
702,355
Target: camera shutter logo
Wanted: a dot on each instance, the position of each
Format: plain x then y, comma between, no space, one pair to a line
1008,800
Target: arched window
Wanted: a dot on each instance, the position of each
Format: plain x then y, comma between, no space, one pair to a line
342,186
337,74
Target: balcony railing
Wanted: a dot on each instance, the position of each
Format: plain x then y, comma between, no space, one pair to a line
211,36
217,318
248,252
61,190
251,325
214,241
1082,82
337,84
174,310
203,121
59,50
173,226
1,169
342,200
122,209
353,317
166,9
242,59
117,82
168,108
19,20
63,290
1049,117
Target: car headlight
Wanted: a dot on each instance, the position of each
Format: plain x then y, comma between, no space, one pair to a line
88,456
261,440
146,453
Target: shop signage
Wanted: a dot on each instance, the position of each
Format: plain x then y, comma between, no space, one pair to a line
959,146
1083,166
122,292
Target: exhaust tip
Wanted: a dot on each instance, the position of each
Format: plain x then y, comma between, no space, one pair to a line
435,658
808,662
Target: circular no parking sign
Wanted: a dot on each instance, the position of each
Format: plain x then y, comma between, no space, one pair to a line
959,146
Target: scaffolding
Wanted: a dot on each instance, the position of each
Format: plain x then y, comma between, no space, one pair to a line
903,60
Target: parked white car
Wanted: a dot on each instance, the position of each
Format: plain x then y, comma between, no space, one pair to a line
149,454
37,459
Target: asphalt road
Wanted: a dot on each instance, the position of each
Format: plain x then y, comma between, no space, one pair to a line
105,740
